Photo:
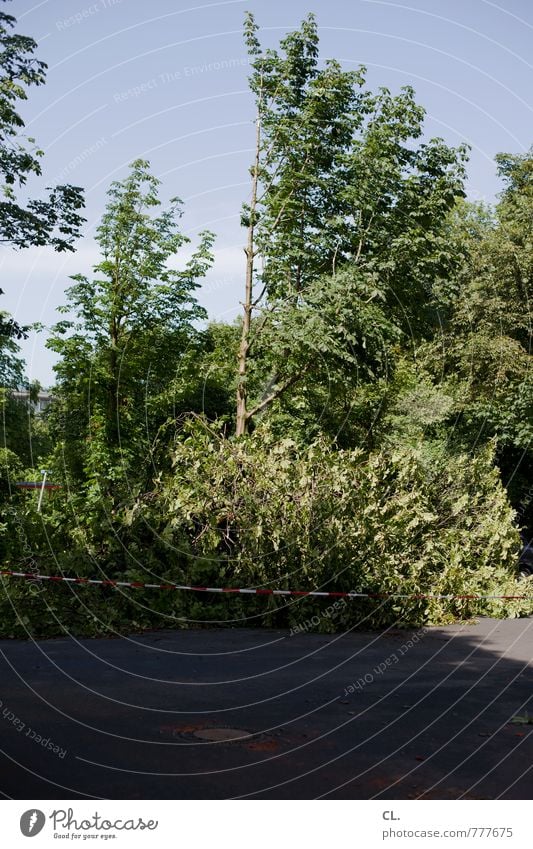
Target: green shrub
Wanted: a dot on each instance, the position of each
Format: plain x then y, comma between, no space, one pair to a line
260,512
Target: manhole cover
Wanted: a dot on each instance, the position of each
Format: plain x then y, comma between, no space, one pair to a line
221,734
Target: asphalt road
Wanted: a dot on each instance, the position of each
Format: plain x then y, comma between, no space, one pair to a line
211,714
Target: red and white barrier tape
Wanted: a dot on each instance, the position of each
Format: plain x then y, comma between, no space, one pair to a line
254,591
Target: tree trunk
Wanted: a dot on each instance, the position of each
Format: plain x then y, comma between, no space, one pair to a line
112,393
242,359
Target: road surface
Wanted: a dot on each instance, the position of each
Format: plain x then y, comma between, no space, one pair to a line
441,713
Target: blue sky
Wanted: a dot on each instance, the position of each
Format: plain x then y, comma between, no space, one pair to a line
166,81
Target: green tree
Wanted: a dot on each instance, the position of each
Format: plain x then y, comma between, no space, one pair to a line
21,430
303,125
53,219
483,358
13,414
134,320
338,184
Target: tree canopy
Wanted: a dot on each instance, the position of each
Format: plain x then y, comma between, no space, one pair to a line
340,182
134,320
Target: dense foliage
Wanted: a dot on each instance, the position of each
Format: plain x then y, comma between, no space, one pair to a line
133,324
366,426
341,180
53,219
272,513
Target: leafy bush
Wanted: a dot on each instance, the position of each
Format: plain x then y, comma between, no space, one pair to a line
266,513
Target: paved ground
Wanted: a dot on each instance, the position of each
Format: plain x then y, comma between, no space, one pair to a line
398,715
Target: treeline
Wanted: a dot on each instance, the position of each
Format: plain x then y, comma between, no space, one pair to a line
365,425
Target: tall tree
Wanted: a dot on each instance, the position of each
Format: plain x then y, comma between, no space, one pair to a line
304,123
134,319
337,183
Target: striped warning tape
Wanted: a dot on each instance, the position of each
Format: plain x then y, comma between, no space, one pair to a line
253,591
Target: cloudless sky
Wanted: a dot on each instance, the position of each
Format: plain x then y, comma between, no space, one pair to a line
166,81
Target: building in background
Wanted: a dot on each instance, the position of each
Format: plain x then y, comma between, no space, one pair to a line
39,402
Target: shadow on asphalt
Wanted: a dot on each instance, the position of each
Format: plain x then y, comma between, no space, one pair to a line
441,713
